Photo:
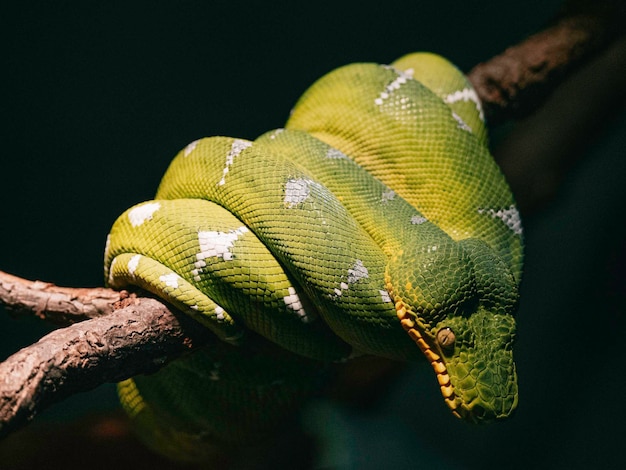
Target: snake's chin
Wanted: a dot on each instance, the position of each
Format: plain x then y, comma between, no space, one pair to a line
474,411
477,413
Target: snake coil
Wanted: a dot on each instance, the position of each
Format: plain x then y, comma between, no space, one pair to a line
376,222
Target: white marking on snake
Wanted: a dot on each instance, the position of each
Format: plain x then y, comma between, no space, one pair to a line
403,77
140,214
510,216
132,264
219,313
334,153
418,220
292,301
191,147
170,280
388,195
274,134
238,146
296,191
215,244
385,296
461,124
355,273
466,94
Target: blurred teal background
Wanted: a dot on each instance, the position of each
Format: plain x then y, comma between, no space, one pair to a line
97,97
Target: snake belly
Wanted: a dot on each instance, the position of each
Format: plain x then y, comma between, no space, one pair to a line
375,222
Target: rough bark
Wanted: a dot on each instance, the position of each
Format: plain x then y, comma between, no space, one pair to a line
136,339
514,83
58,305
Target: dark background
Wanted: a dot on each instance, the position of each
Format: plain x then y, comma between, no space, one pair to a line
97,97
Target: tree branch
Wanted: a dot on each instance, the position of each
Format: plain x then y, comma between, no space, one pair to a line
137,339
58,305
516,82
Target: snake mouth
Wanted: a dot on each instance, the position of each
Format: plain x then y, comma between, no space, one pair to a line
436,361
475,410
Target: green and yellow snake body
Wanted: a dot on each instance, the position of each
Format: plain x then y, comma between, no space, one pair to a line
376,222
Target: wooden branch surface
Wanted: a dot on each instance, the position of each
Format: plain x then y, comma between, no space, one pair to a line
516,82
58,305
110,345
136,339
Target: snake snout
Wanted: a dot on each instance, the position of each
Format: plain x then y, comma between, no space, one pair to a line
480,367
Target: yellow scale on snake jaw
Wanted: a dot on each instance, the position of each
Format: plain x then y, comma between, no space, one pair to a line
376,212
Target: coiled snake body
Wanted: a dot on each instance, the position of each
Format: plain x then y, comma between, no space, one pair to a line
376,222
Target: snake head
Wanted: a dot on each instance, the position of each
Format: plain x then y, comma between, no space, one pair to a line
476,352
473,359
457,307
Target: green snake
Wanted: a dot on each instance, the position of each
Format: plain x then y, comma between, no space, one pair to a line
375,222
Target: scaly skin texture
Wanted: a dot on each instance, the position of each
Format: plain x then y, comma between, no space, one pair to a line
375,222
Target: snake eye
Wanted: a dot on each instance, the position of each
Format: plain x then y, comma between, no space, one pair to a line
446,338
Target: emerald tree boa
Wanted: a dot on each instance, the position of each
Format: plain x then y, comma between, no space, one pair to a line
375,222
